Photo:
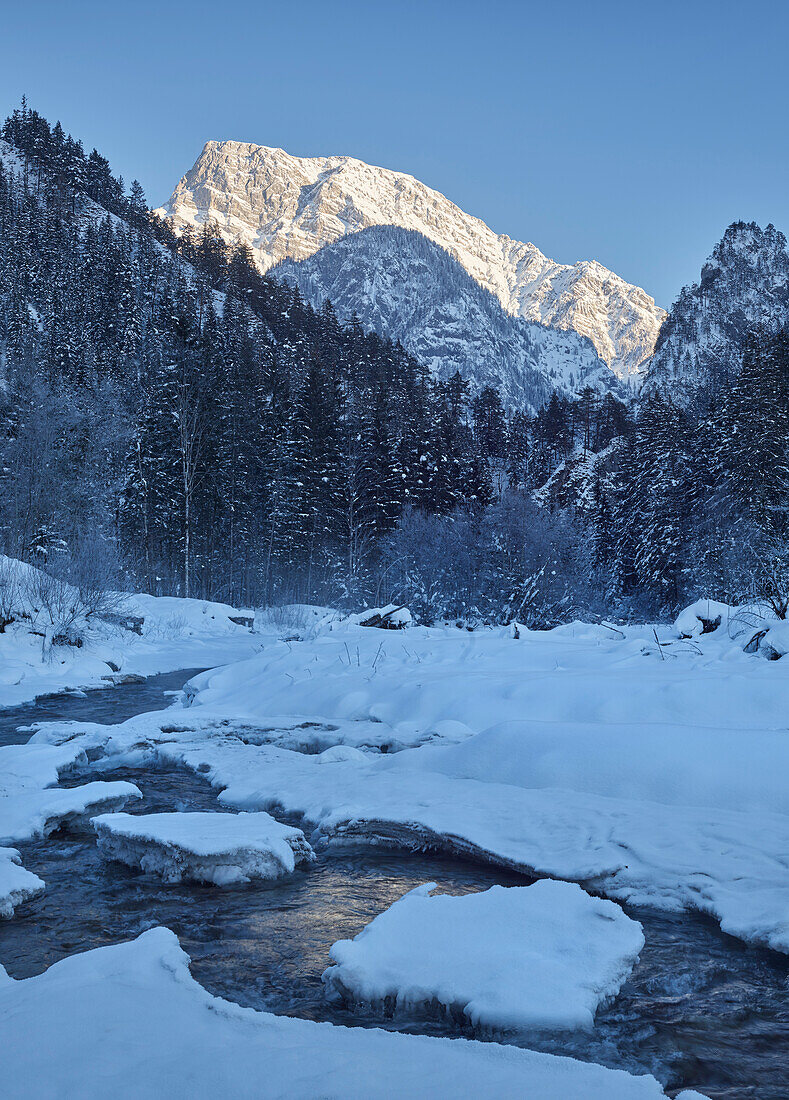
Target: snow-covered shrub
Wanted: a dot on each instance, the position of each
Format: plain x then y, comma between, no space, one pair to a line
54,602
174,626
290,618
10,606
62,599
703,617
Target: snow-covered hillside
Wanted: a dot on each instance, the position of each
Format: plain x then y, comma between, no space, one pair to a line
404,286
287,207
745,282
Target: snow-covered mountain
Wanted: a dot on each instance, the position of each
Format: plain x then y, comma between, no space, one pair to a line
287,207
744,283
401,284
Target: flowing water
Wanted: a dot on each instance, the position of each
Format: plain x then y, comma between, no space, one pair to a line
700,1009
108,705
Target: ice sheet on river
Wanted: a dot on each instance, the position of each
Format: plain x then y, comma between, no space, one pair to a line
220,848
30,807
129,1020
729,864
544,956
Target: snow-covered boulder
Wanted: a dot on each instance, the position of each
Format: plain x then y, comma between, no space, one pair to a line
130,1021
543,956
224,849
703,617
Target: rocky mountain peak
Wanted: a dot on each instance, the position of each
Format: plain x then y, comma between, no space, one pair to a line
743,284
287,207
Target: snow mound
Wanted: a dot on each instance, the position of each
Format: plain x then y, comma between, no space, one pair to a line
771,642
543,956
224,849
130,1020
703,617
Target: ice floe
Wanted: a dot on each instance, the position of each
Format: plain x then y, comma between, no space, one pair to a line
544,956
30,806
221,848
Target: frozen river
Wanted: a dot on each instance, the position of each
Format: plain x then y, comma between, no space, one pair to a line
700,1009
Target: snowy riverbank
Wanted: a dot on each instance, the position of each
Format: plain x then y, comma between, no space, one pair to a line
144,635
648,769
130,1020
650,772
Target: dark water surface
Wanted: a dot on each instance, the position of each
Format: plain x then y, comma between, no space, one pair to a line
700,1009
109,705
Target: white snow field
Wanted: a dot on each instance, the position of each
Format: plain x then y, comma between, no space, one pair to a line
169,633
129,1020
223,849
648,769
544,956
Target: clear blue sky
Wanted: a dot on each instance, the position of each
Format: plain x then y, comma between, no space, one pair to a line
632,133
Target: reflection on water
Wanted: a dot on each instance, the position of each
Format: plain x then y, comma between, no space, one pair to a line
700,1010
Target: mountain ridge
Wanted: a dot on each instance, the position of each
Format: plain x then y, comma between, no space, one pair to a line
287,207
399,283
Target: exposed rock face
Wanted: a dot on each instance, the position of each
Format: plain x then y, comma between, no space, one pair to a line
402,285
744,283
287,207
